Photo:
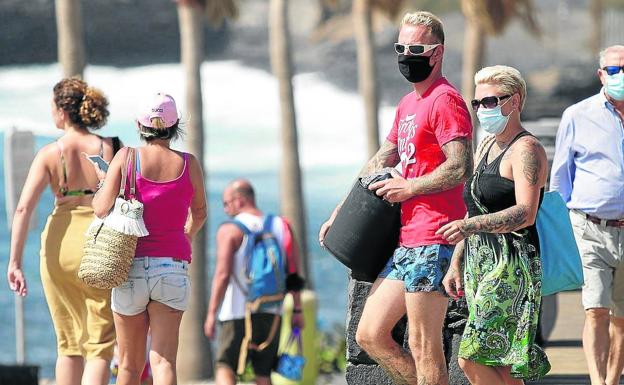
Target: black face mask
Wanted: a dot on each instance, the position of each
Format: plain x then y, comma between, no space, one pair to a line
415,68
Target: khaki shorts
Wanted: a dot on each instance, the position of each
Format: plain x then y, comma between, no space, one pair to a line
602,253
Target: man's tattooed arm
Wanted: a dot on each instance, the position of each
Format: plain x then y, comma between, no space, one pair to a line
504,221
387,156
454,170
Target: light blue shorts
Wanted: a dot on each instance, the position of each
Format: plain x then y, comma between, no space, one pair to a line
161,279
421,268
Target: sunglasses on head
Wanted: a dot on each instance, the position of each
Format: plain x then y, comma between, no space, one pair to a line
414,49
487,102
612,70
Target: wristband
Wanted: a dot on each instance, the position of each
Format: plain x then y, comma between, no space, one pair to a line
296,311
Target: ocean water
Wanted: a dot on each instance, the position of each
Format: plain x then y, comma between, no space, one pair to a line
241,112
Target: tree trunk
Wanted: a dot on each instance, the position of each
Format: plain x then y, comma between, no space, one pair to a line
367,70
194,359
290,179
71,49
473,57
595,10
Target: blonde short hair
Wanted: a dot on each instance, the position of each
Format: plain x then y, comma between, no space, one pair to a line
508,79
428,20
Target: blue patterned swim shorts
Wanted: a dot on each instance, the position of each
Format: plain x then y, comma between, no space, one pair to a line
421,269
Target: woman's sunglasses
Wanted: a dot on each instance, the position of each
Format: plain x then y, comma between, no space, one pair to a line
487,102
414,49
612,70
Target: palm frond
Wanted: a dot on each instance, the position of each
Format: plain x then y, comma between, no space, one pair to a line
216,11
389,8
494,15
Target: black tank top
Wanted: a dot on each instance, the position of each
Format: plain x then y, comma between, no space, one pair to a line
494,191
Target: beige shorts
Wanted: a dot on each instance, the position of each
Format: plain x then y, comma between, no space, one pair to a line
602,253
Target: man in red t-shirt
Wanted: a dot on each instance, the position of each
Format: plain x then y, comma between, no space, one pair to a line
431,139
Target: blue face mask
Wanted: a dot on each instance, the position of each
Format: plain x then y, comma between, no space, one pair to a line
615,86
492,120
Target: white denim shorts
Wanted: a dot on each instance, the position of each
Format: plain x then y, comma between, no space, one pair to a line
161,279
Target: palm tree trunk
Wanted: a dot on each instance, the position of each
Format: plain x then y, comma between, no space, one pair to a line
71,49
595,10
194,361
473,57
367,70
291,190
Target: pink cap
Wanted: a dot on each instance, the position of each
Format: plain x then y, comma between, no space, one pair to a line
163,107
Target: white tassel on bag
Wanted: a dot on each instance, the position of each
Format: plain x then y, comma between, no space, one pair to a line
127,218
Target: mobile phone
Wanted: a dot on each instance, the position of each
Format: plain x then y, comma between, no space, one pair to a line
96,159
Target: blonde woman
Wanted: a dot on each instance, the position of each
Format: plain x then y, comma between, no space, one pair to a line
81,315
497,243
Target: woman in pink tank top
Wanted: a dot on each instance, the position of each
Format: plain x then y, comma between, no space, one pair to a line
171,187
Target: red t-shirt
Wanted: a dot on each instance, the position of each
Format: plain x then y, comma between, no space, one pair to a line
421,126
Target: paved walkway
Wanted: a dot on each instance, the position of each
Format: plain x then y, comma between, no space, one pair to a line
564,348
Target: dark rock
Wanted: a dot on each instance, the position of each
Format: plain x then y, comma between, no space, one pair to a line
358,292
19,375
367,375
455,373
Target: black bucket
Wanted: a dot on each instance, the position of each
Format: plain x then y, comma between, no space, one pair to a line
365,233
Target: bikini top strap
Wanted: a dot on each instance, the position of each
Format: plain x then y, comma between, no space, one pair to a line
63,183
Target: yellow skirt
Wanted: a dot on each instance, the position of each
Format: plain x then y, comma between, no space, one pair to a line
82,315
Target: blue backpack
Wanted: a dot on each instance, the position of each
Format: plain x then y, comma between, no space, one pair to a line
265,273
265,266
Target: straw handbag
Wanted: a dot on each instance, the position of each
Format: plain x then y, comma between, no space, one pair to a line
111,242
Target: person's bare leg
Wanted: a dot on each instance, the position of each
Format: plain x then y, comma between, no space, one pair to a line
384,307
616,351
260,380
596,343
131,340
69,370
165,328
425,315
225,375
96,372
505,373
480,374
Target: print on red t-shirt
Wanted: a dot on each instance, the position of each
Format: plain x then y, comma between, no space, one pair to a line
422,125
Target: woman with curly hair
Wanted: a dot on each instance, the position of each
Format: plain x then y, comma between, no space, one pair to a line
81,315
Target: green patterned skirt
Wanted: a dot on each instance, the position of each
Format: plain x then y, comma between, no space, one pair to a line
502,278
